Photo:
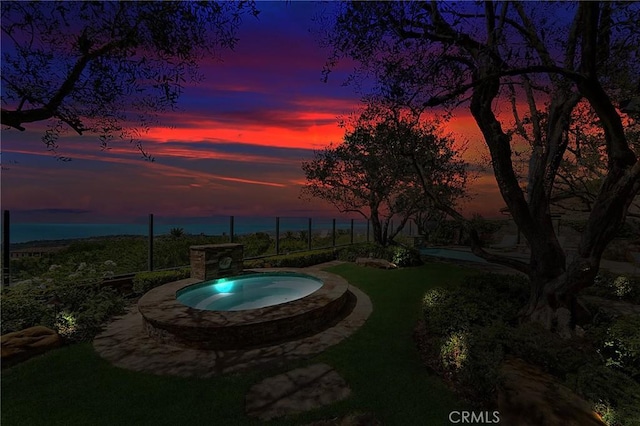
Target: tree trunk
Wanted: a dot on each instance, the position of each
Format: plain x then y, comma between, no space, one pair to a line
553,302
378,234
554,287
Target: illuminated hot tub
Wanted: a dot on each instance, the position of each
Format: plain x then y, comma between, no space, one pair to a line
244,311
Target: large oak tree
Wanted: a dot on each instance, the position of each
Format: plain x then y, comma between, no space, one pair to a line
106,67
550,57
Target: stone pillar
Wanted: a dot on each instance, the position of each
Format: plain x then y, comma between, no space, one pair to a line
216,260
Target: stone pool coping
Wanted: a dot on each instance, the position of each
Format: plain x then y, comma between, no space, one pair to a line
170,321
125,344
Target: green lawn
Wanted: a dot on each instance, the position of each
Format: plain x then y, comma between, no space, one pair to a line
74,386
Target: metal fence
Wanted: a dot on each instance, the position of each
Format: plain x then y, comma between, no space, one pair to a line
307,233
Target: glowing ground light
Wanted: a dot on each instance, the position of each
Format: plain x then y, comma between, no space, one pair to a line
224,286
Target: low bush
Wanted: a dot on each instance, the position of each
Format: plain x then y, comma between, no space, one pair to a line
404,256
352,252
145,281
399,255
616,287
294,260
619,344
23,306
69,299
479,300
472,360
471,329
539,346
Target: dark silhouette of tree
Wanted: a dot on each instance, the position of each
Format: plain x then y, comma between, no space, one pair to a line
548,56
372,172
106,67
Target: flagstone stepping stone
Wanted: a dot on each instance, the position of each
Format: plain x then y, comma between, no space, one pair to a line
22,345
528,396
296,391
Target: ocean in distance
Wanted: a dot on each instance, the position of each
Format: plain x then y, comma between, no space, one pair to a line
27,232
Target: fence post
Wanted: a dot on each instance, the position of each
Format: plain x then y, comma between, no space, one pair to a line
277,235
334,233
367,230
309,235
410,232
351,231
231,228
150,258
6,255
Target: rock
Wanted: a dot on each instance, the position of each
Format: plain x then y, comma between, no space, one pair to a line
528,396
298,390
375,263
22,345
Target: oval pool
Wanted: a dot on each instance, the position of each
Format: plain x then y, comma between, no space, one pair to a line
251,291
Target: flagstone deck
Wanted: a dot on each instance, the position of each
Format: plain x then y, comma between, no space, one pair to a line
126,344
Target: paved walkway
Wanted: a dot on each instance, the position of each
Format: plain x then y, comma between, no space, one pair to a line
125,344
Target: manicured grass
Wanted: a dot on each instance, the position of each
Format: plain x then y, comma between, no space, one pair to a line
74,386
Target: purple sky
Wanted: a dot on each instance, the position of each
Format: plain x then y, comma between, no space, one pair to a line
234,147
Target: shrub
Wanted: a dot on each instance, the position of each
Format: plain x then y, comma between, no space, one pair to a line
352,252
295,260
616,287
613,395
255,244
470,334
399,255
622,286
67,298
541,347
479,300
145,281
24,306
619,345
473,358
404,256
454,351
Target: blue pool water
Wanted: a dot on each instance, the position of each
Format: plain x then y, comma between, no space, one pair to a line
452,254
250,291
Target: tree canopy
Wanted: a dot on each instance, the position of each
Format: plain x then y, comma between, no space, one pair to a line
106,67
518,67
373,171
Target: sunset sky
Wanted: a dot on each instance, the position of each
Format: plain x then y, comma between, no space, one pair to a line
235,146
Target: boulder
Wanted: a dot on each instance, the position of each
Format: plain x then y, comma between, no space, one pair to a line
22,345
527,396
375,263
